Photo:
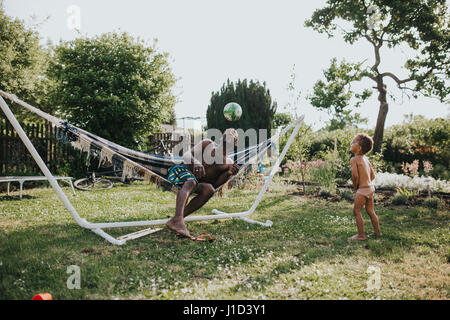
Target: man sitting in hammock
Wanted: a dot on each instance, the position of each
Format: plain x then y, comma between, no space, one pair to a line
206,167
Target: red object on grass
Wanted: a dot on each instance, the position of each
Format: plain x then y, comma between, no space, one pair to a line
43,296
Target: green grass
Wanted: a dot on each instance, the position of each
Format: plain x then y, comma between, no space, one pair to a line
304,255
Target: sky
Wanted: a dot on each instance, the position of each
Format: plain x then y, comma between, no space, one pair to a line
210,41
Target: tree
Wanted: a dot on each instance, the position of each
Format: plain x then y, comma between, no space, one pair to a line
421,25
114,86
282,119
258,109
336,94
23,61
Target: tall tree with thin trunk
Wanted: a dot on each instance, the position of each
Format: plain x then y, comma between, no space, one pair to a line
23,62
422,25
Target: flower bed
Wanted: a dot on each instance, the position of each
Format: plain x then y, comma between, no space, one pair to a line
392,180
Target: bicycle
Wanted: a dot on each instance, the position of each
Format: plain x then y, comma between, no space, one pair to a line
94,183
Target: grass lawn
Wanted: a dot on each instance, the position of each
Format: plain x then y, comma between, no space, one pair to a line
304,255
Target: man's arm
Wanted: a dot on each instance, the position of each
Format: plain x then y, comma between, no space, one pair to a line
233,168
355,175
189,158
225,175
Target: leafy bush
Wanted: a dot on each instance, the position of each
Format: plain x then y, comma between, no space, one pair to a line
400,199
324,193
113,85
421,145
421,139
403,196
76,165
324,172
23,61
300,145
311,190
377,162
324,142
433,203
407,193
347,195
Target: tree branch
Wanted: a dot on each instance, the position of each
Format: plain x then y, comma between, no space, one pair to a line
385,29
377,50
393,76
369,39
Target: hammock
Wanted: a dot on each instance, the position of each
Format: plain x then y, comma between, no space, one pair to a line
137,164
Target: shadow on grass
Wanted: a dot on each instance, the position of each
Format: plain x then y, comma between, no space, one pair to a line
39,255
392,246
16,198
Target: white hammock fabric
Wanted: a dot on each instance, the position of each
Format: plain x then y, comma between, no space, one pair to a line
108,150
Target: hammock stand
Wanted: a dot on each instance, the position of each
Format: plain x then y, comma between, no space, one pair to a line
98,227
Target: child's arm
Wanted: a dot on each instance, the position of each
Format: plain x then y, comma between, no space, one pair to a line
372,174
355,175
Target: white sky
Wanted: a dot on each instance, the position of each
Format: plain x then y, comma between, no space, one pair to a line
212,40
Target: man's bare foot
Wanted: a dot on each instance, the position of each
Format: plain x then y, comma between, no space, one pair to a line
178,227
358,237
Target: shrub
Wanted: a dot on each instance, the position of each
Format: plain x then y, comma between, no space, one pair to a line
113,85
377,162
311,190
347,195
376,198
294,168
400,199
324,193
418,138
407,193
411,168
301,144
324,172
433,203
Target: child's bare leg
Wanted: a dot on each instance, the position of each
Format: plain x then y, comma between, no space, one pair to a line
373,217
360,201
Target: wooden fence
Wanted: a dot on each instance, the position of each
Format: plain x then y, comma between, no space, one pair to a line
163,143
15,159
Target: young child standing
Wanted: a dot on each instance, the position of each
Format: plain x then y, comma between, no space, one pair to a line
362,177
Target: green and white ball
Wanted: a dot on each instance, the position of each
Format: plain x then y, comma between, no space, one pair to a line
232,111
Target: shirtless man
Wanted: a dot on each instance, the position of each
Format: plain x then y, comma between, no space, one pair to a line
206,167
362,177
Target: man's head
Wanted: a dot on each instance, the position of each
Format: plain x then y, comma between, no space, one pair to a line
361,144
230,137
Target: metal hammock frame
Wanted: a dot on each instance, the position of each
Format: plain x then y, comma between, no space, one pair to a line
98,227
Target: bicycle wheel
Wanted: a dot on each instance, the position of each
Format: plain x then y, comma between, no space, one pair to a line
89,184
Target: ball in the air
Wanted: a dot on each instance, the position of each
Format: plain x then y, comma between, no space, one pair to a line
232,111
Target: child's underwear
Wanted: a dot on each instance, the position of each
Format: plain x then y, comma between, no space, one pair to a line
366,191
